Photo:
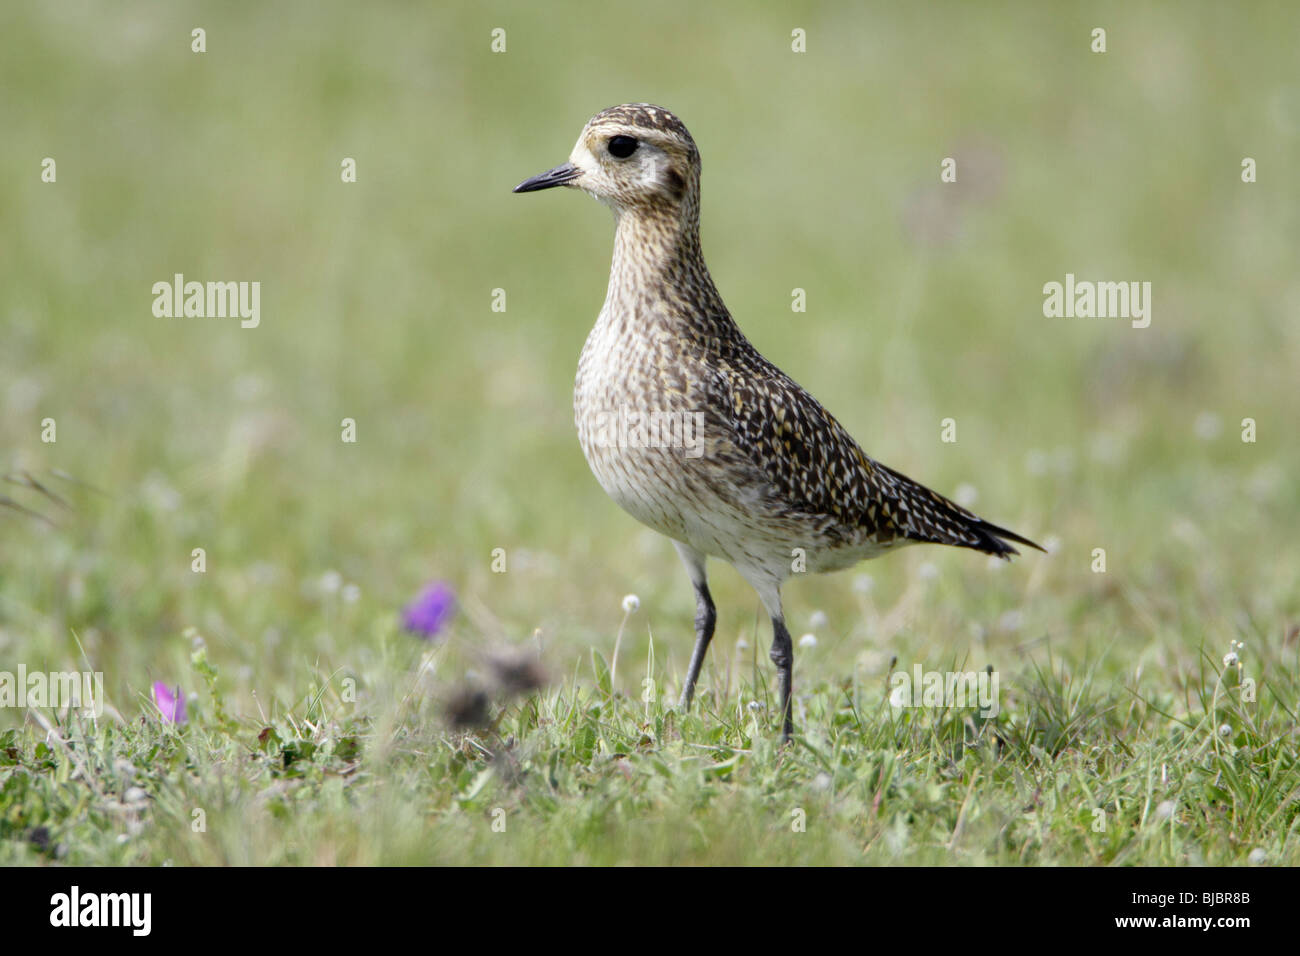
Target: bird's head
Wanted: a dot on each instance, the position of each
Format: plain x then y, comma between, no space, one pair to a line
631,157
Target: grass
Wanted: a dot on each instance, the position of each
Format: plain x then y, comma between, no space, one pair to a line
316,731
1070,772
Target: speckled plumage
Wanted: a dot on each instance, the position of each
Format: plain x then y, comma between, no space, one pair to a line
775,479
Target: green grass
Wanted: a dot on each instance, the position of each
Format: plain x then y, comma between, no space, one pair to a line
1071,772
924,303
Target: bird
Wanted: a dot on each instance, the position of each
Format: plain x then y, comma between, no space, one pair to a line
693,432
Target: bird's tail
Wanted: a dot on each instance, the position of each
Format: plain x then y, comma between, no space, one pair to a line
925,515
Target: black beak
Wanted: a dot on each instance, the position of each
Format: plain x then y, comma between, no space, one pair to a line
559,176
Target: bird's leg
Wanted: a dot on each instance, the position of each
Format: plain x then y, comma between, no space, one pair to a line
783,657
706,616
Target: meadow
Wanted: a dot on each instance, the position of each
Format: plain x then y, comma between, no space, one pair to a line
1147,665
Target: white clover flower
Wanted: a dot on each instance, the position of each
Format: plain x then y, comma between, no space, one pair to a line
966,495
330,582
808,640
818,620
742,645
863,584
1165,810
927,571
1258,857
1232,658
630,603
1225,730
351,593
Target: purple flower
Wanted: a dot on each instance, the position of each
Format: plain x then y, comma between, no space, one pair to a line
170,702
429,613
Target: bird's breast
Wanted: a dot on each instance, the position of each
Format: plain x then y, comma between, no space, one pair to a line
659,436
642,422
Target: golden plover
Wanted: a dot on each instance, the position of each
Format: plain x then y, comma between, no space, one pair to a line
696,434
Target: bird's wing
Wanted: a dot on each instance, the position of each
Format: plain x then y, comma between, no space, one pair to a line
814,465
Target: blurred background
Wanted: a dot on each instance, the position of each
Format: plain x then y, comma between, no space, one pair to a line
821,172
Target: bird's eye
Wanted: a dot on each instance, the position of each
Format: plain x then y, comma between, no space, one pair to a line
622,147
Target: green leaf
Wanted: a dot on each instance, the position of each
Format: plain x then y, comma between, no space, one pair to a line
601,669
